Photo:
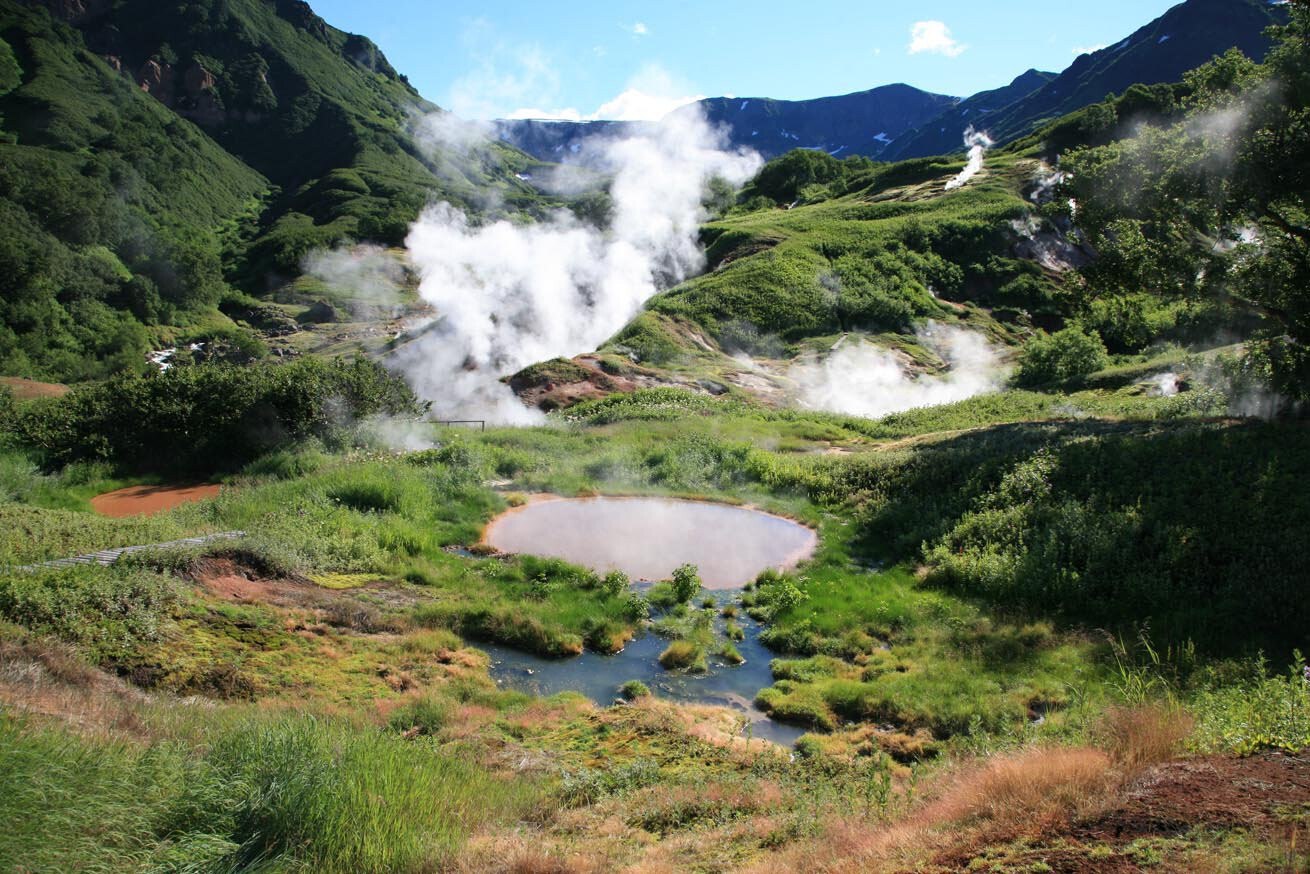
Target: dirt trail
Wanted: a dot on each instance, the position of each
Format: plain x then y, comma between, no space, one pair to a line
146,500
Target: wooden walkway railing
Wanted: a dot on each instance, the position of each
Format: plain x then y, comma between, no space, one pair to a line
106,557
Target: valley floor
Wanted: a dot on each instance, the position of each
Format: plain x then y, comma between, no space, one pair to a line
314,695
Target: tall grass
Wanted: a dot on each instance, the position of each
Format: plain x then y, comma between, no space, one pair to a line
265,793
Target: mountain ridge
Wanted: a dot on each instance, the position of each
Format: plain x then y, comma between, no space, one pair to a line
1184,37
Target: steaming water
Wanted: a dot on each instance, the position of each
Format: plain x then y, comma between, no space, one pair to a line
647,538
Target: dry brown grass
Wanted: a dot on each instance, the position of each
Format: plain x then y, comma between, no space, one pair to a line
1143,736
1015,792
998,799
47,680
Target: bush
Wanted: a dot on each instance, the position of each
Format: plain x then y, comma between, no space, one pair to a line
107,611
686,583
615,583
1061,356
209,417
425,716
1272,713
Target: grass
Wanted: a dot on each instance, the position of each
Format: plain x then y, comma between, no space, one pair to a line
865,637
268,791
684,655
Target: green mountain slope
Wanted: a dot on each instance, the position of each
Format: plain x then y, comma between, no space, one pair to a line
158,159
113,208
318,111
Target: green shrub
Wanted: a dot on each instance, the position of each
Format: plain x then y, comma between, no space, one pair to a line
1058,357
634,689
686,583
1273,713
106,610
209,417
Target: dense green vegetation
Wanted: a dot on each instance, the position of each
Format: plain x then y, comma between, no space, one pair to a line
1026,599
1036,530
114,209
269,792
209,417
1214,206
157,162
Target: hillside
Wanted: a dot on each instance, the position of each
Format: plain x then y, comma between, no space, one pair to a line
161,161
321,113
116,211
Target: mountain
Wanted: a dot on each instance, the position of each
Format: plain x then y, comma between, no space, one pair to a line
863,123
155,159
549,140
948,128
897,122
112,208
853,124
1183,38
321,113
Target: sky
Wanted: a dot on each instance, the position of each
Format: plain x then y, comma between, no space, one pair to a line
628,60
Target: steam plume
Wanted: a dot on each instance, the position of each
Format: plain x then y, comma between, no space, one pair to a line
509,295
862,379
368,277
978,143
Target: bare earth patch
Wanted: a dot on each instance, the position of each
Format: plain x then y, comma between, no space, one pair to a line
147,500
27,389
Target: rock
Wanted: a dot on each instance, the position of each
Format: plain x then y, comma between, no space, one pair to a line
198,80
156,79
321,312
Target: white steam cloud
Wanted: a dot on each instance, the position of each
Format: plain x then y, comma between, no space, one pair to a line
510,295
978,143
368,277
862,379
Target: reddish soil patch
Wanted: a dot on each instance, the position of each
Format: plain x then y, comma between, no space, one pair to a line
231,581
26,389
145,500
1259,793
1267,794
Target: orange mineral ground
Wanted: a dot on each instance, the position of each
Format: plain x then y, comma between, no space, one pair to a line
145,500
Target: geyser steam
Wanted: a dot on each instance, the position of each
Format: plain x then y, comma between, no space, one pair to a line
862,379
510,295
978,143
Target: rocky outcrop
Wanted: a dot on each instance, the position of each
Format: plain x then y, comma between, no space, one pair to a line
156,79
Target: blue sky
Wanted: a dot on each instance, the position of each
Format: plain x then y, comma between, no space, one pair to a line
587,58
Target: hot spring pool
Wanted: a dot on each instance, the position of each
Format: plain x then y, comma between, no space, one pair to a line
647,538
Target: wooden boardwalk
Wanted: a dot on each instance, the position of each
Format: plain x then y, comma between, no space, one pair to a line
106,557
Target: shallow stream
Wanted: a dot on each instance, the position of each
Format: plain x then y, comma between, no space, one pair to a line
647,538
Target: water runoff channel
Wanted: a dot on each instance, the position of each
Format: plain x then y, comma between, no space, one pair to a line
647,538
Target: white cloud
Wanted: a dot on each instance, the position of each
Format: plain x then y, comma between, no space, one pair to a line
934,37
505,74
637,28
650,95
636,105
1087,50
